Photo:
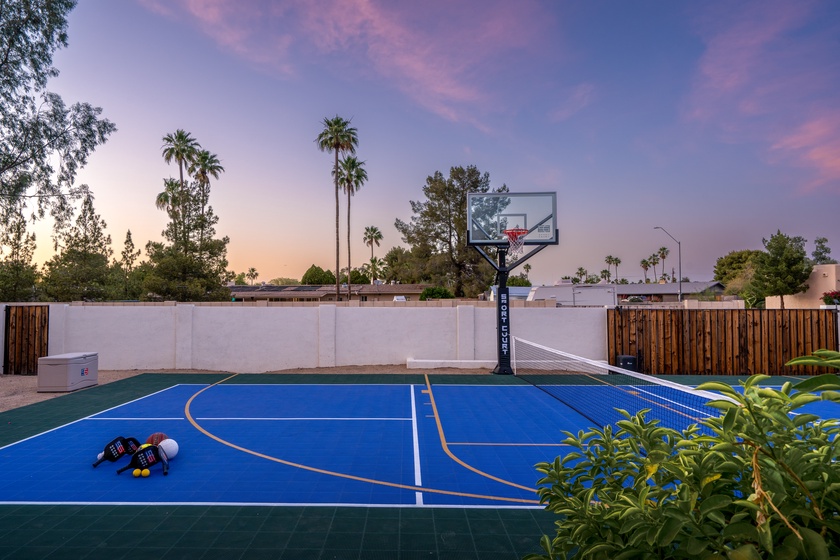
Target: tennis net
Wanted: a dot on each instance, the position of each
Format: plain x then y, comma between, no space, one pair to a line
596,389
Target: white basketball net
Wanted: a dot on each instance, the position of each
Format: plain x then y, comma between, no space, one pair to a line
516,241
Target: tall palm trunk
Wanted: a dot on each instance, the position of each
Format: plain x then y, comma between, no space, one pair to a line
348,244
182,196
337,235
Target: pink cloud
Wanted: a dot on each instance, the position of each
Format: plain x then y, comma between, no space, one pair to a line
816,145
747,60
762,79
578,98
439,54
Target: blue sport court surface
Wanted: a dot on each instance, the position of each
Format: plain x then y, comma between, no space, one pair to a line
353,444
305,444
296,466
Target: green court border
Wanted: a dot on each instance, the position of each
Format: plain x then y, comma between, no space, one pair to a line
182,532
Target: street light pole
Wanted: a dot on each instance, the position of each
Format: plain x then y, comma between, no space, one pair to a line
679,261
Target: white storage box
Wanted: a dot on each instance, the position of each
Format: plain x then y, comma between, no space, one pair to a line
68,372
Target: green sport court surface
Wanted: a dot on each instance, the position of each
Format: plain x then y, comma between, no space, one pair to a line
285,466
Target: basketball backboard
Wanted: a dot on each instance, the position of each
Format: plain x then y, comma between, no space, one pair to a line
490,214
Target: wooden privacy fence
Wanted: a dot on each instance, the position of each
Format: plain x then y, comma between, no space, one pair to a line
724,341
27,334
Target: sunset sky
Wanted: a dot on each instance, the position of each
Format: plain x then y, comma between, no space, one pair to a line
719,121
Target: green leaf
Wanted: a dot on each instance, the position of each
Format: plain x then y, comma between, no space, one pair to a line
713,503
801,419
785,552
717,517
765,536
668,531
745,552
729,419
815,546
820,382
801,399
742,531
724,388
833,396
603,547
695,546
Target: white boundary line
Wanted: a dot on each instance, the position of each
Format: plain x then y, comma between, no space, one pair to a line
418,478
271,504
91,417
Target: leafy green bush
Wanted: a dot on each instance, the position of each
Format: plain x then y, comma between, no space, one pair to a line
823,357
758,482
435,292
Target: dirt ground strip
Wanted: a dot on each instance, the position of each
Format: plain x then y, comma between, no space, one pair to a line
21,390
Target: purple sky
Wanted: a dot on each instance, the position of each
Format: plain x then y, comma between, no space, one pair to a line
718,121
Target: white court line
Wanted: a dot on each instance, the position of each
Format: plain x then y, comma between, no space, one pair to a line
91,417
129,418
418,479
264,504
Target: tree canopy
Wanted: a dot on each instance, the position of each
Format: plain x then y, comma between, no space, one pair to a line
193,265
317,276
783,268
731,266
437,233
822,252
43,142
80,271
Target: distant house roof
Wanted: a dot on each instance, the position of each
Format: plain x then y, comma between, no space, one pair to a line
321,292
670,288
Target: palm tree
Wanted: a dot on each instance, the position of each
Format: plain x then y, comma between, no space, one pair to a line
171,201
376,267
204,166
663,253
616,262
181,147
654,260
337,136
645,264
372,235
252,275
352,176
527,268
581,273
609,260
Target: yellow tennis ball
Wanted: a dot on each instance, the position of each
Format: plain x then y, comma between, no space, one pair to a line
136,472
145,472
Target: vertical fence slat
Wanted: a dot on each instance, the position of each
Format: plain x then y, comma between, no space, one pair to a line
727,342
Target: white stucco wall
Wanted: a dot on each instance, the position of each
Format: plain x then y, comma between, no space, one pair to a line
253,339
269,338
125,337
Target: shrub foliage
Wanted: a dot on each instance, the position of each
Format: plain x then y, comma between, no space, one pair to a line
435,292
759,481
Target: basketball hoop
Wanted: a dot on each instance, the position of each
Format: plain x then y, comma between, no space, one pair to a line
516,240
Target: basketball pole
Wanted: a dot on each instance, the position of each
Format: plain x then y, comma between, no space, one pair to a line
503,336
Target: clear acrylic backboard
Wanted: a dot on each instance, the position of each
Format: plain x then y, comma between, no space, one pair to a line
489,215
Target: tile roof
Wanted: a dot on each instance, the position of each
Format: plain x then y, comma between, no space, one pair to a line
319,291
